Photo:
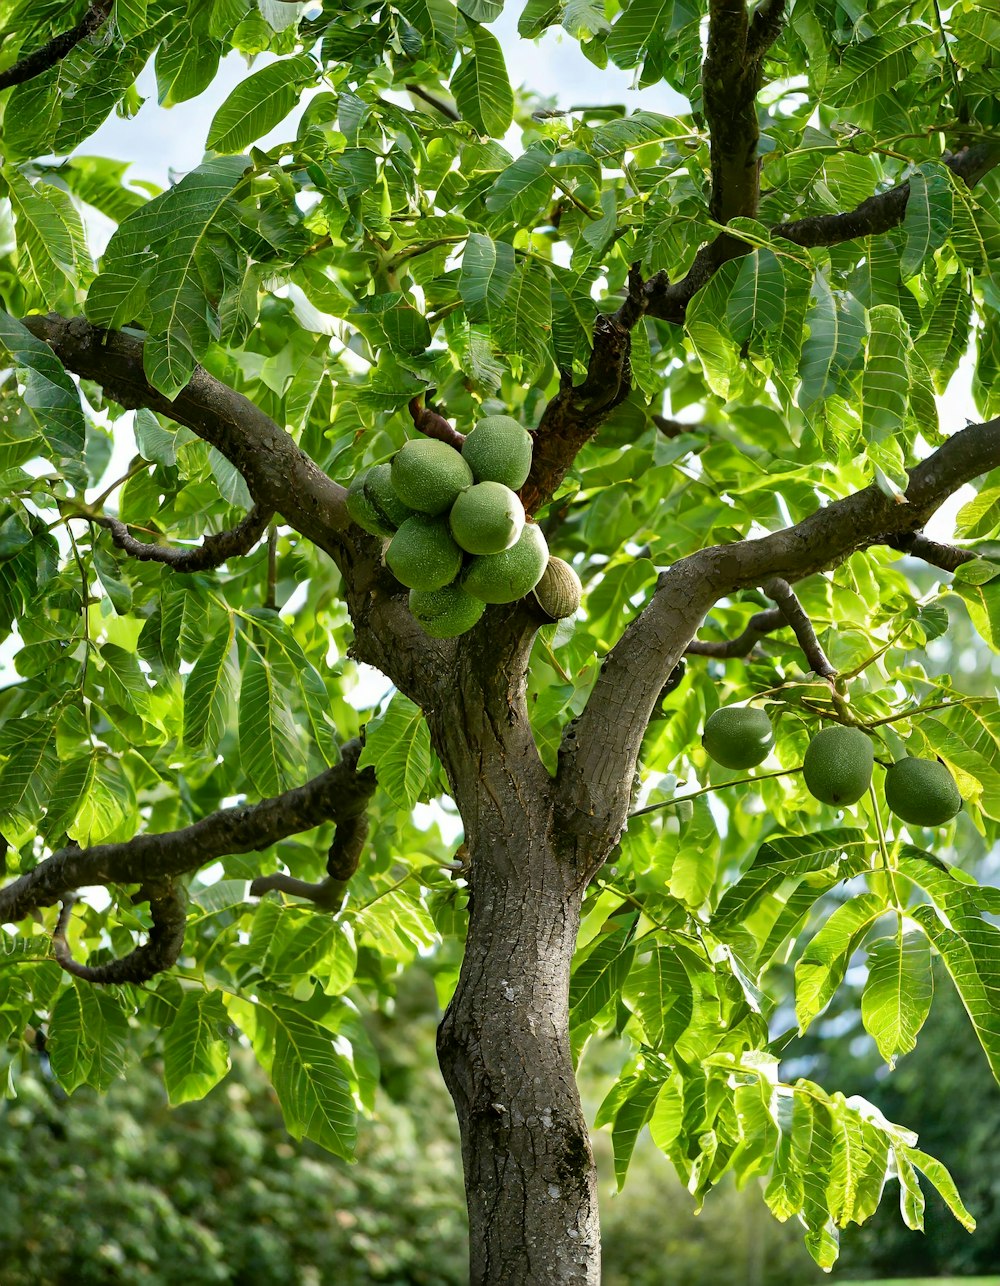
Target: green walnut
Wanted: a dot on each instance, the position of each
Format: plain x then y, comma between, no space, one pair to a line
428,475
381,497
422,554
922,792
447,612
363,511
506,577
738,736
498,449
838,765
486,518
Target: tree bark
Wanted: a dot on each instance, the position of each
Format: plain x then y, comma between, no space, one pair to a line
505,1055
503,1044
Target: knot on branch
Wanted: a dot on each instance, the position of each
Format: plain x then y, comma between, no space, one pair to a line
168,911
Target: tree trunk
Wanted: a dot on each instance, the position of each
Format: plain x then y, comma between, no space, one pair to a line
504,1051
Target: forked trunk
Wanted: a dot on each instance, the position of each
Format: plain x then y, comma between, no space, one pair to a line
504,1051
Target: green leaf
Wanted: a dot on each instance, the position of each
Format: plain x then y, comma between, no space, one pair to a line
659,991
87,1037
269,746
631,1116
944,338
975,229
130,18
481,87
898,994
927,220
481,10
154,268
48,233
757,303
207,692
641,22
525,319
885,384
874,66
259,103
944,1184
195,1058
124,682
598,978
980,518
791,857
398,747
834,346
50,397
821,967
487,268
312,1081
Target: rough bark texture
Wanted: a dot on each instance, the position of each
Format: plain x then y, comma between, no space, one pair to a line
505,1056
504,1042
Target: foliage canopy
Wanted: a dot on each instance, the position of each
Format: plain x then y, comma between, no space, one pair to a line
757,301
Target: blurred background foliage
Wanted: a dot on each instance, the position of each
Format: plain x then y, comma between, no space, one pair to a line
120,1189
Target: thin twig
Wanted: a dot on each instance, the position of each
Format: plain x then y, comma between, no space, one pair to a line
706,790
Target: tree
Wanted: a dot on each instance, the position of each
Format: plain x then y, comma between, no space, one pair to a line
726,331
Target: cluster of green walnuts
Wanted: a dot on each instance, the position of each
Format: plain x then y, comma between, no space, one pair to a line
838,766
458,536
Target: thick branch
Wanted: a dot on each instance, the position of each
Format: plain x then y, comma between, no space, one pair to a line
600,749
280,476
576,413
341,863
58,47
730,80
212,552
341,791
168,911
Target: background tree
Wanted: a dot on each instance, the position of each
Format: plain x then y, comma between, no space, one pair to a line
796,267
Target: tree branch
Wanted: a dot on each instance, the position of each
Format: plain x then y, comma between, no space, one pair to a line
600,748
280,476
212,552
668,301
730,80
759,625
341,862
765,26
58,47
168,910
576,413
432,424
794,614
948,557
339,792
